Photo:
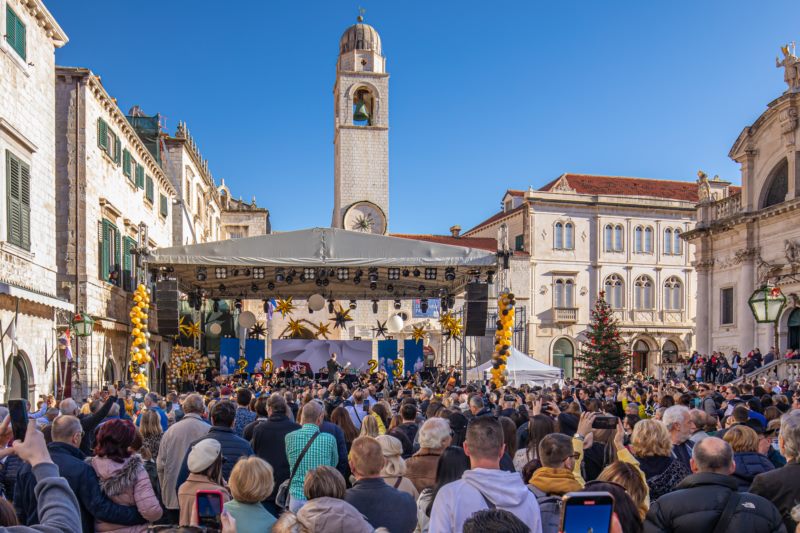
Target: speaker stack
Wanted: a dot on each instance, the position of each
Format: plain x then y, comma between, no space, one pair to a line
477,305
167,305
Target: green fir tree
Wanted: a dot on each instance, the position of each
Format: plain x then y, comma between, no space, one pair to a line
602,355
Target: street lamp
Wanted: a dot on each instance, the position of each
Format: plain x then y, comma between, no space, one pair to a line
767,303
82,324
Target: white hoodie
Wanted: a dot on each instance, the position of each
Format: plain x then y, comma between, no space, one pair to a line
459,500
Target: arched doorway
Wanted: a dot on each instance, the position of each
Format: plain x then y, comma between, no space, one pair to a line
640,352
564,356
109,373
794,329
669,353
17,369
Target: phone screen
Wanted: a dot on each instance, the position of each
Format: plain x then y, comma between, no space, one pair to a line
18,412
209,508
587,511
366,405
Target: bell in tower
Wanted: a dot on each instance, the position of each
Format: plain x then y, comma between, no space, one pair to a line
361,112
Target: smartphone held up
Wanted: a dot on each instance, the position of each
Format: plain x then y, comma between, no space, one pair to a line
18,413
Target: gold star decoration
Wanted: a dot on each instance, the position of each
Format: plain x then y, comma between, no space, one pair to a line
323,330
341,317
285,307
193,330
381,330
454,331
184,327
297,330
258,330
418,334
445,320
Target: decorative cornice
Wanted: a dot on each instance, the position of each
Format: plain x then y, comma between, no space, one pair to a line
46,21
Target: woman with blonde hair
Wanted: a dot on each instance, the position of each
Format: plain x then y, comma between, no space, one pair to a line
630,478
652,447
150,428
747,454
251,482
369,427
394,467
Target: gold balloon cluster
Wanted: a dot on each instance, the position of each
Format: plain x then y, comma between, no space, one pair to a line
503,337
140,346
185,361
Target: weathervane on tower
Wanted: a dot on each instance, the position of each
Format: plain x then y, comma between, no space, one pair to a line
361,12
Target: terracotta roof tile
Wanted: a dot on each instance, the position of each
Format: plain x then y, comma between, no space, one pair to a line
623,186
480,243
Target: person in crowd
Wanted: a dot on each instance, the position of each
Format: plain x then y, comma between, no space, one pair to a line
434,438
628,476
205,473
151,403
652,446
478,408
452,464
340,417
681,427
700,420
485,485
782,485
82,479
89,422
251,483
173,407
369,427
747,454
151,431
356,408
394,467
495,521
175,443
408,425
262,415
320,450
269,443
122,475
458,428
700,501
243,413
370,492
223,416
555,478
538,426
624,510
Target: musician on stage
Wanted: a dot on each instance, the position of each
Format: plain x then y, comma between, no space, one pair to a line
333,369
451,380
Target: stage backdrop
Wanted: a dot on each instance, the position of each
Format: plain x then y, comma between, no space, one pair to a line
412,355
387,353
229,355
317,352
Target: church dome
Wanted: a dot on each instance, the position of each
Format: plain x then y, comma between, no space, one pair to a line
360,36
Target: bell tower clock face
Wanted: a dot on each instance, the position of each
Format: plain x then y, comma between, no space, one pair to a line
365,217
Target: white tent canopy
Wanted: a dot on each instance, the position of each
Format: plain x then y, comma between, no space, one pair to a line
521,370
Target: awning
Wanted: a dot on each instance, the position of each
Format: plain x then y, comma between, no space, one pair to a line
26,294
334,262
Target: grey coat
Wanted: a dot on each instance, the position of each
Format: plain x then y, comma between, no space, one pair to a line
174,445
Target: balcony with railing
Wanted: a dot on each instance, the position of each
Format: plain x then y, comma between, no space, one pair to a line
727,207
565,315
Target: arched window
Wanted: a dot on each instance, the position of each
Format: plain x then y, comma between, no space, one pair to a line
669,352
668,241
614,291
569,236
673,294
677,247
563,353
643,293
777,184
637,240
564,293
363,107
648,240
559,236
608,238
618,235
558,291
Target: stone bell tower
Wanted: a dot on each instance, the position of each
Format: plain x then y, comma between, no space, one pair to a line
361,132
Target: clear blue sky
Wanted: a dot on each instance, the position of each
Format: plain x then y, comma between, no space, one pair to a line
484,96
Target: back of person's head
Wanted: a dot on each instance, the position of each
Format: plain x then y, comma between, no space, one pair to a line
554,449
408,411
193,404
741,414
509,434
484,439
539,427
629,477
476,402
366,457
312,413
223,414
392,449
746,388
64,428
742,439
698,417
434,433
713,455
243,397
114,440
150,423
650,438
624,507
8,517
205,458
260,406
494,521
68,406
324,482
790,434
152,397
276,404
251,480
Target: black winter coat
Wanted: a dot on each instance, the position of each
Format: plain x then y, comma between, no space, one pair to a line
698,502
748,466
233,447
269,443
780,486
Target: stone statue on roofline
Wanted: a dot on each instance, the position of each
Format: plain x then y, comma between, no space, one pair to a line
703,188
791,67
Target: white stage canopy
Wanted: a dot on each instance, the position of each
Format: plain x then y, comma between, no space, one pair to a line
521,370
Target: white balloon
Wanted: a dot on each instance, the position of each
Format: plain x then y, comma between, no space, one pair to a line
247,320
214,329
316,302
395,324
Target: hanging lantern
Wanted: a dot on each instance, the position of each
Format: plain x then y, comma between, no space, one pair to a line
82,324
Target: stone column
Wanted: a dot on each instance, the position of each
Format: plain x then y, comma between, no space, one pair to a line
704,303
745,323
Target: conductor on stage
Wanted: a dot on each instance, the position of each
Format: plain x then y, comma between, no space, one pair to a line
333,369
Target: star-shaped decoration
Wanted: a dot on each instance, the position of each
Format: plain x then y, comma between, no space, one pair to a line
285,307
364,223
193,330
258,330
418,334
381,330
323,330
446,320
297,329
184,326
454,331
341,317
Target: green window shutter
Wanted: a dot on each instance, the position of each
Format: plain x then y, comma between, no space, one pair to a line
126,163
105,248
14,207
102,134
140,176
127,263
163,205
116,149
117,261
15,32
25,206
21,43
148,192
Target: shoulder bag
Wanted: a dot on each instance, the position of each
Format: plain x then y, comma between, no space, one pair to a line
282,497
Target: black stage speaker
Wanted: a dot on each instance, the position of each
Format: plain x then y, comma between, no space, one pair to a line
477,308
167,305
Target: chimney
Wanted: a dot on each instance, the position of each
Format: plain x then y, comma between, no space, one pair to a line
455,230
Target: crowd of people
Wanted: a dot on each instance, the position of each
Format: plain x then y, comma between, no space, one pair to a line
415,455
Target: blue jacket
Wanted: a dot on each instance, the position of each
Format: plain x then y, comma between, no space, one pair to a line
233,447
341,445
372,496
748,466
83,481
161,414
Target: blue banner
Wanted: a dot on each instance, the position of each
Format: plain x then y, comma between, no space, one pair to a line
387,353
413,357
254,350
228,355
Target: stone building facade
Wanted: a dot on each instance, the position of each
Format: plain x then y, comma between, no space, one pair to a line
115,204
240,219
749,237
28,288
579,235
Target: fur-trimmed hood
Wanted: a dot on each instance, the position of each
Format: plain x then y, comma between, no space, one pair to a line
117,478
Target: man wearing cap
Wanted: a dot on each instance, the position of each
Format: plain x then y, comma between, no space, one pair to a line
201,458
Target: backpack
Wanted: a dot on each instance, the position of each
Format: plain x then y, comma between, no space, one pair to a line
550,509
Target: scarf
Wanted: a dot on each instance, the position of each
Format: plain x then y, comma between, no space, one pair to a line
381,427
556,481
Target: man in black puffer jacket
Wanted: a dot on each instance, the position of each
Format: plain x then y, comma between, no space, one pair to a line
699,501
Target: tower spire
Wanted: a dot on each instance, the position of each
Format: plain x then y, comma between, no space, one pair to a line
361,12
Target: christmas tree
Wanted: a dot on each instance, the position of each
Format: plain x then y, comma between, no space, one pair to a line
602,356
